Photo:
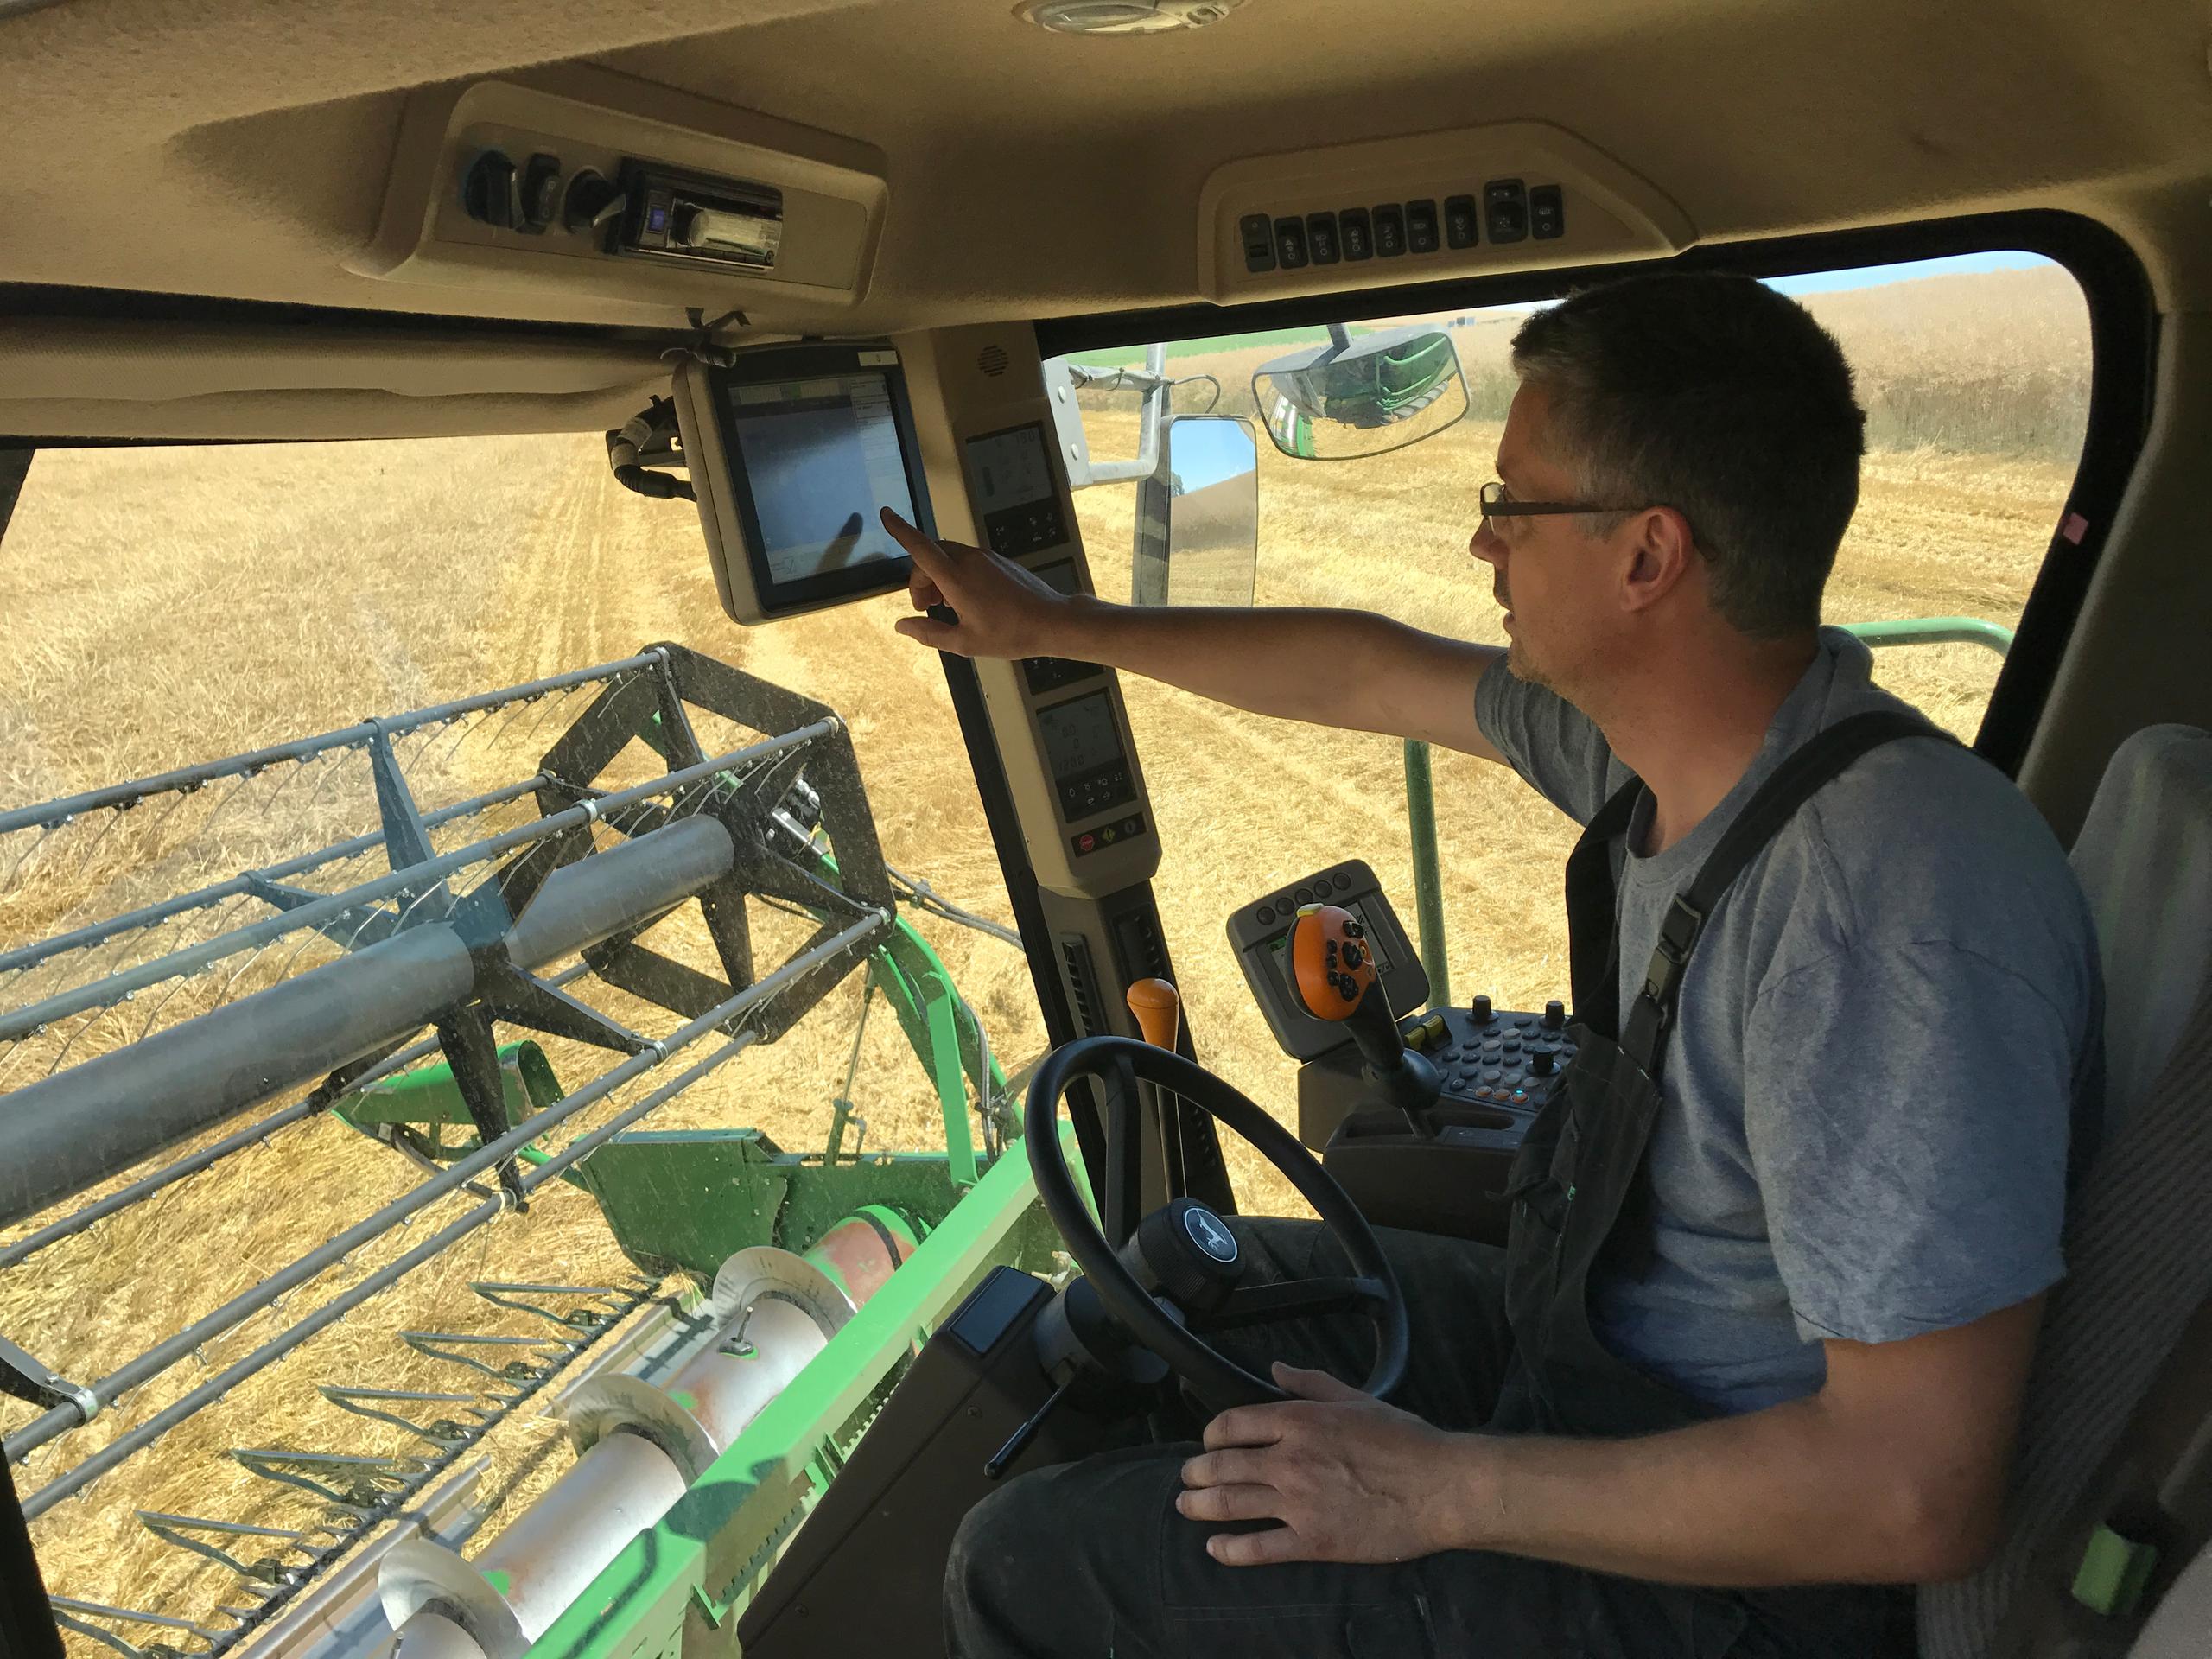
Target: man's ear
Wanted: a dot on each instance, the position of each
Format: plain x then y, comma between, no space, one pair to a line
1661,556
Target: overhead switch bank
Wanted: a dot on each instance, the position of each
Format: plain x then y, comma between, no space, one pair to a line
1504,211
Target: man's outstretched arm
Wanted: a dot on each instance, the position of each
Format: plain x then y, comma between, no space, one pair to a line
1348,669
1894,1472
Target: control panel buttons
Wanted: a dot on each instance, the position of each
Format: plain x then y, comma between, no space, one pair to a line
1505,209
491,191
1554,1014
1482,1010
1462,222
1092,840
1355,233
1546,212
1290,244
541,193
1089,794
1389,230
1044,674
1258,233
1420,227
1025,527
1321,244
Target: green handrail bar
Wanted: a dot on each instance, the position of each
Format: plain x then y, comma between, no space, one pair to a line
1934,631
1428,878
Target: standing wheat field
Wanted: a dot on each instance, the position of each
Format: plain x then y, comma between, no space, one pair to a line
171,604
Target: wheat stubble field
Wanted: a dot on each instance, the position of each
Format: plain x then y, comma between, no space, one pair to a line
169,606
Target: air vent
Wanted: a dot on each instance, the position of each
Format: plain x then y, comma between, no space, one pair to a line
1083,984
993,361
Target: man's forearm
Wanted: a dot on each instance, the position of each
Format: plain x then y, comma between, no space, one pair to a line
1773,1496
1349,669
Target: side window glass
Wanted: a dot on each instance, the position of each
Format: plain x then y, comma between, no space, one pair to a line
1974,376
259,1328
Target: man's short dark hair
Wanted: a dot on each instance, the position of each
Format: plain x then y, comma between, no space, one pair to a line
1723,400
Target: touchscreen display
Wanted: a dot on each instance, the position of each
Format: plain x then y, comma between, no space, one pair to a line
1079,735
821,458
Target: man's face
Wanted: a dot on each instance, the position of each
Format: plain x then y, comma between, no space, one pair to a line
1547,572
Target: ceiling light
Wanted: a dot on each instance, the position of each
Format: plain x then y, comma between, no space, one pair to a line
1123,16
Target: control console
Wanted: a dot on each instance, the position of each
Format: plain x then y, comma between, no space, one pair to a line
1418,1116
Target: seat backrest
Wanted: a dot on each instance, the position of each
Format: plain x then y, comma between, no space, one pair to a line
2138,1246
2181,1628
2144,859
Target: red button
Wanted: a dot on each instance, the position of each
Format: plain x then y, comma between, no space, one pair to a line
1084,843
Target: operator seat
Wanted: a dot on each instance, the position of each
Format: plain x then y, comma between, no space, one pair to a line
2116,1429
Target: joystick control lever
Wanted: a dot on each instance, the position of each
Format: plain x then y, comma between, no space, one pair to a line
1332,976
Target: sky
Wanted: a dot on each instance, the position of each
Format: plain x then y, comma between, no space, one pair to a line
1826,282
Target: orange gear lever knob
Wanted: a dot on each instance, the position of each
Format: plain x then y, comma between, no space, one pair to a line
1331,964
1159,1008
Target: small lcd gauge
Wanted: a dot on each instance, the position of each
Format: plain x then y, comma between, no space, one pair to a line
1017,490
1083,753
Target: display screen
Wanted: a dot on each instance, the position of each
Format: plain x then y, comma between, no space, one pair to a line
1011,468
820,459
1080,734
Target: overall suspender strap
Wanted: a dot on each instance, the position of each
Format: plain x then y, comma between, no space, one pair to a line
1592,914
1643,1033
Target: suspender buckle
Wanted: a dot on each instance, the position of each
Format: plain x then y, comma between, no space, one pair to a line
1678,932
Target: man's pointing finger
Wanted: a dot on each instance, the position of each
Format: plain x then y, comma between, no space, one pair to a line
924,552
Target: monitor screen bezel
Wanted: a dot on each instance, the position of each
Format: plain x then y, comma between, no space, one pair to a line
776,365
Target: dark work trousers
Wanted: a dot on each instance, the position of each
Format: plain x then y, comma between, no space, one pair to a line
1091,1559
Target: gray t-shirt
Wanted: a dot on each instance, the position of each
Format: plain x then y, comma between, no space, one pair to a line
1881,1039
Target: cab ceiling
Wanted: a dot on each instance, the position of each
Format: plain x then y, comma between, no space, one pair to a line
241,149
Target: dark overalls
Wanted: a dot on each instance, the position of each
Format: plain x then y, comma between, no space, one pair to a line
1091,1559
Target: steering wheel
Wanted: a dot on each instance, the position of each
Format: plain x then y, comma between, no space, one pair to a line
1186,1251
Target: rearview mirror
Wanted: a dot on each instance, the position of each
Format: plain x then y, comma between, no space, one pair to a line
1197,540
1364,395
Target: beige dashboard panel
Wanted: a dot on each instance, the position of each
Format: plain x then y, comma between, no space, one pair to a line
1606,211
833,188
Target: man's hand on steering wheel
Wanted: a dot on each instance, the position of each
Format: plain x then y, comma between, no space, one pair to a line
1349,1479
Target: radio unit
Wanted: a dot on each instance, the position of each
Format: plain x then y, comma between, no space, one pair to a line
694,217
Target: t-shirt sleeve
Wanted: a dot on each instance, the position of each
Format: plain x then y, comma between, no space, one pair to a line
1550,742
1906,1107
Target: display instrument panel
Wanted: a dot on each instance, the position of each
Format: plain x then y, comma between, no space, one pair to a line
794,453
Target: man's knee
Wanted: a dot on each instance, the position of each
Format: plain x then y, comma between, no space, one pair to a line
989,1546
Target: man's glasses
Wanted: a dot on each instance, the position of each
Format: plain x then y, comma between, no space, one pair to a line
1498,504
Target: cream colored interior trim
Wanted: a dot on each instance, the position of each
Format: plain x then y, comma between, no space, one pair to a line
1612,214
151,362
2137,655
834,196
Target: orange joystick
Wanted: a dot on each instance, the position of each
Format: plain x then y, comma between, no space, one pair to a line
1159,1008
1332,976
1331,964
